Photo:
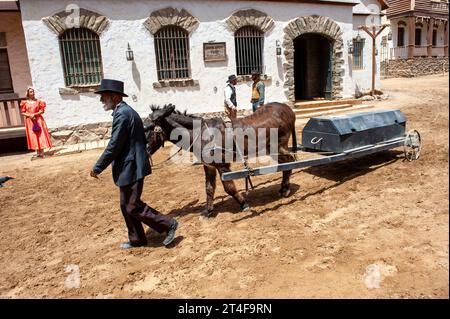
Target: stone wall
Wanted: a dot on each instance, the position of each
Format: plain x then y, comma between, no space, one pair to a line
74,134
419,66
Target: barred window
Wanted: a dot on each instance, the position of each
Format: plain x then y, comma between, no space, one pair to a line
249,44
358,47
81,55
172,53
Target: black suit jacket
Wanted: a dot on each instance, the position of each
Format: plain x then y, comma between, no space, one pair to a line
126,149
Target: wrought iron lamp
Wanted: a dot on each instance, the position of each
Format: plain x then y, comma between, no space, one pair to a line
129,53
350,46
278,47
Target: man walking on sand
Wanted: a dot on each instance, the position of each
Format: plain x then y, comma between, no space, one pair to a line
126,151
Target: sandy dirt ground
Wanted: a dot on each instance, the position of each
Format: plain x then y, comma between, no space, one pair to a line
375,227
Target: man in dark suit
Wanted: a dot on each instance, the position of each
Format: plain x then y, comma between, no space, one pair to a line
126,151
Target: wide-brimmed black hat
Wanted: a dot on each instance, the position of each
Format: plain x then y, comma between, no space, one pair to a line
232,77
108,85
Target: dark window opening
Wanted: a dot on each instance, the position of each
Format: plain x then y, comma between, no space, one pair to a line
401,37
6,85
418,40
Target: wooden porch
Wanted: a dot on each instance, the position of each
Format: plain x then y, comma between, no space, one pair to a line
11,120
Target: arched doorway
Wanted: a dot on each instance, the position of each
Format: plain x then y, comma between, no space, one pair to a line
324,27
312,66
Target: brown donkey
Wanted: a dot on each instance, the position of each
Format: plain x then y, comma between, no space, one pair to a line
208,136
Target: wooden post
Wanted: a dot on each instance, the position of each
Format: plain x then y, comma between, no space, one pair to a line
373,34
430,37
446,39
411,36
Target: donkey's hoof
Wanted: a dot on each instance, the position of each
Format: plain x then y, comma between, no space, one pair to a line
206,213
245,207
284,192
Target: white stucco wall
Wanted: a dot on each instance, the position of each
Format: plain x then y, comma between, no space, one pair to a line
11,24
363,78
126,25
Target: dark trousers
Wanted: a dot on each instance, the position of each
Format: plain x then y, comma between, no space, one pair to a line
135,212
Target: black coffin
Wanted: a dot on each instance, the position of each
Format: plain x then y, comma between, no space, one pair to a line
342,133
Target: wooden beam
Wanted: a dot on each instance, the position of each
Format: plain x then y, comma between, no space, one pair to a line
430,37
411,36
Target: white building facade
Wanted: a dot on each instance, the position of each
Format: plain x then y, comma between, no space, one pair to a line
188,74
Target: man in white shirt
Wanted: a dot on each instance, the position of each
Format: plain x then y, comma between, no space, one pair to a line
230,98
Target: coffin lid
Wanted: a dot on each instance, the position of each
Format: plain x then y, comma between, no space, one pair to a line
356,122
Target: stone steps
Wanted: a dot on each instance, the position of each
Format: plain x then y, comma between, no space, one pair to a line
324,103
76,148
321,109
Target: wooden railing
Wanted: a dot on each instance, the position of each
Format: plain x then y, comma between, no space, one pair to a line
420,50
399,53
10,115
438,51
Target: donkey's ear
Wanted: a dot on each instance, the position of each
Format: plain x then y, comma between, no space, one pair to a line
168,109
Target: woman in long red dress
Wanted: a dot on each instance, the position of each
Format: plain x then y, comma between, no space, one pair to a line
38,137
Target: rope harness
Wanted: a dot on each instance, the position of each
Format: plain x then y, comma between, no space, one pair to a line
238,151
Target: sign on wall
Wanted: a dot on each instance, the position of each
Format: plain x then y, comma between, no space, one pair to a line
214,51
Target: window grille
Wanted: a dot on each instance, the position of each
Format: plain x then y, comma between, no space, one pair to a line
249,44
81,55
358,47
172,53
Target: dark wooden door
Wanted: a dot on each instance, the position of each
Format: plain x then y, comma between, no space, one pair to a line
5,73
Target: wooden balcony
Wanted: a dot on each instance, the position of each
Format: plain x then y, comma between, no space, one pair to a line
11,120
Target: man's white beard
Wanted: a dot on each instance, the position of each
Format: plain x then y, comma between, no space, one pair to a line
108,105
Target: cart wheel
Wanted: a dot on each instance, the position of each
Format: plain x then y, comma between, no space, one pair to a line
413,145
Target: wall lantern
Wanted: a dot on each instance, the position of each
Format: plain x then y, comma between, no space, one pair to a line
129,53
390,35
278,47
350,46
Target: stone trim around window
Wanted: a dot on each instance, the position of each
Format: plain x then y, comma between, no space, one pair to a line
61,21
76,90
323,26
176,83
170,16
250,17
248,78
